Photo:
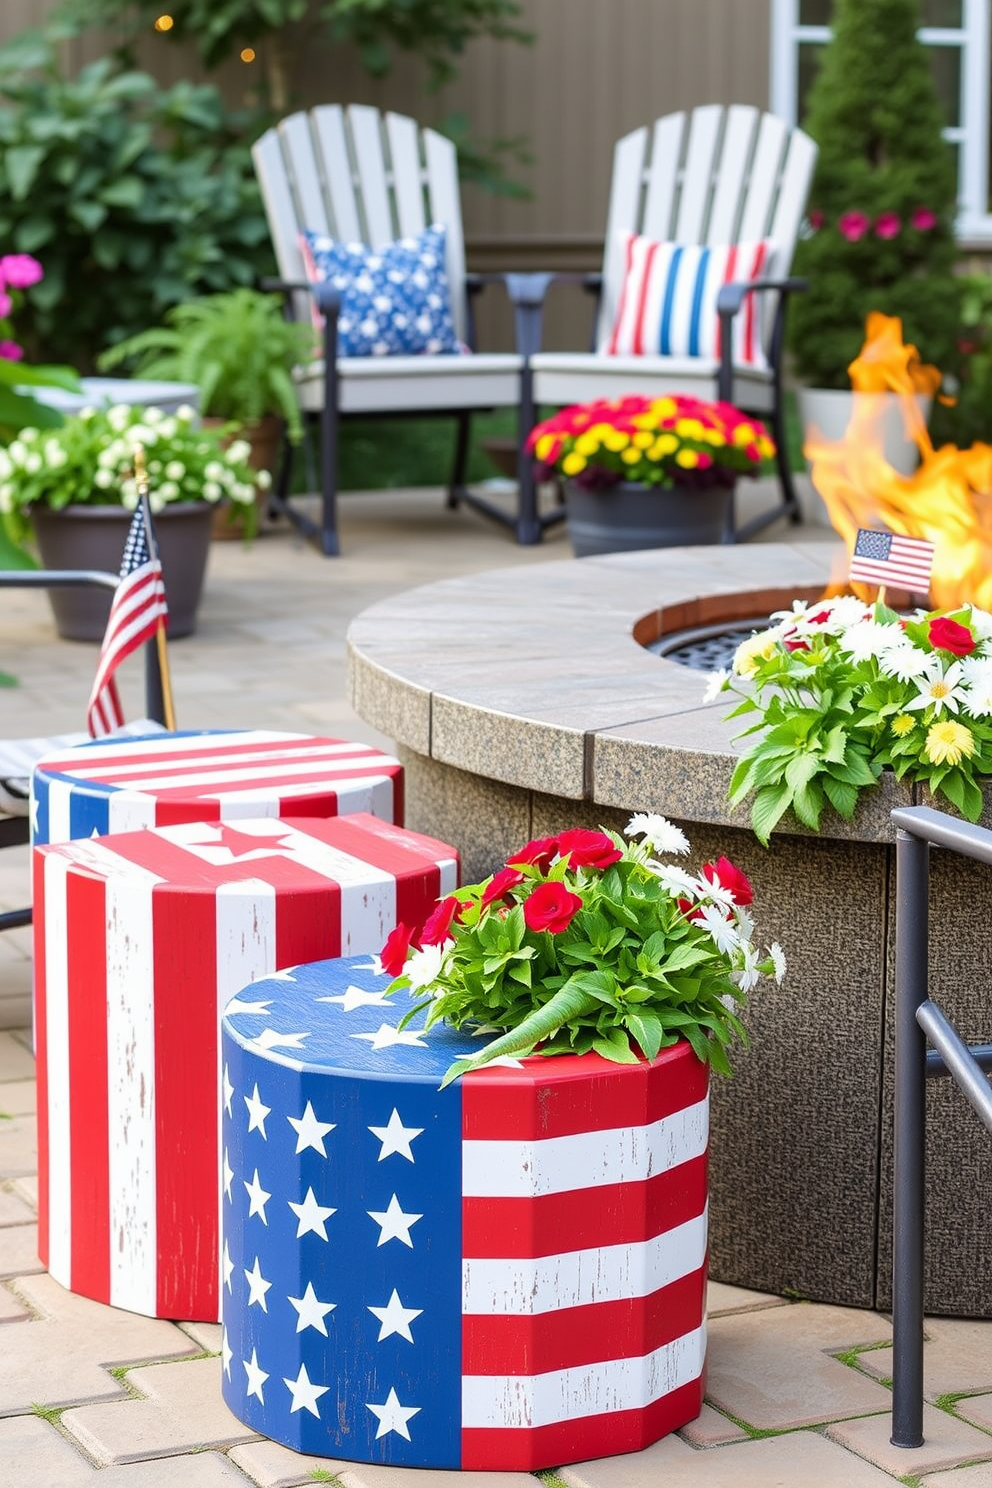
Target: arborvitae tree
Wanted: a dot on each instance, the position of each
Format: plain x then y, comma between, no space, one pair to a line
882,204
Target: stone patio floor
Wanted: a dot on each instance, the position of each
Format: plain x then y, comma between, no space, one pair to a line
92,1397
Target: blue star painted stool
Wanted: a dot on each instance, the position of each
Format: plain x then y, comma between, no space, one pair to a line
507,1274
141,940
120,785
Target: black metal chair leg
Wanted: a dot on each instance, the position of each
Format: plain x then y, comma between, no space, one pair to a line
456,485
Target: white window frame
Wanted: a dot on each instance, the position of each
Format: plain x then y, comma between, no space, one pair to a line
974,225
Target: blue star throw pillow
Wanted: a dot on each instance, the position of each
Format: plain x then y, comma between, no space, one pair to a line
395,300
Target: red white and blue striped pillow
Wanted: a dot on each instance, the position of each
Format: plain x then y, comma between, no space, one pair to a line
667,303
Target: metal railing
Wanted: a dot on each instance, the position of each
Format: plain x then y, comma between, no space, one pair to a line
919,1022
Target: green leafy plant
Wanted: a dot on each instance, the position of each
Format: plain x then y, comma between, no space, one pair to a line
135,197
841,690
585,941
92,459
882,202
238,348
967,418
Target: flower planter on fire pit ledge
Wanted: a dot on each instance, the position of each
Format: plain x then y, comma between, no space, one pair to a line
523,702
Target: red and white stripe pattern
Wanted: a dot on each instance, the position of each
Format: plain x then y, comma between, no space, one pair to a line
120,785
141,940
584,1258
667,301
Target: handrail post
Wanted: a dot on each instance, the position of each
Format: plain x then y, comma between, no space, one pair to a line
911,991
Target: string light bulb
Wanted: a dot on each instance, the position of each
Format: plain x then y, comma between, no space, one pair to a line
247,54
164,23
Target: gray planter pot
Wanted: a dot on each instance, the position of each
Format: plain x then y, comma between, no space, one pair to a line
94,537
625,518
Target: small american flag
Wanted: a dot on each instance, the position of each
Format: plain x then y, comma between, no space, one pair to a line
888,558
138,611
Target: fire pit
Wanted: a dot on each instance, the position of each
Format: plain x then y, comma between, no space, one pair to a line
524,701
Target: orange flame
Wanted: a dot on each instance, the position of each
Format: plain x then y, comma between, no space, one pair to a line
948,500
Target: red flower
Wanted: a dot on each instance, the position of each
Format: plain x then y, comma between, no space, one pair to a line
887,225
588,849
820,618
923,219
690,910
501,884
724,873
537,853
437,927
551,907
394,952
853,226
794,643
948,635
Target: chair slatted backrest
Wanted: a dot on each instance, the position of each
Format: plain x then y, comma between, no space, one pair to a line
359,176
716,176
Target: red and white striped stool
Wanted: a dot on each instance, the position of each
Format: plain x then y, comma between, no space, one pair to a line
141,940
118,785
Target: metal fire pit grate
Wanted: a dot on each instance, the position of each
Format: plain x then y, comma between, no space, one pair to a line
706,648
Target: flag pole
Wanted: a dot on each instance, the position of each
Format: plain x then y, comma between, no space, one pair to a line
141,480
881,594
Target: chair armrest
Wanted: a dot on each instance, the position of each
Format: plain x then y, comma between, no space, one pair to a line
732,296
328,298
44,578
728,302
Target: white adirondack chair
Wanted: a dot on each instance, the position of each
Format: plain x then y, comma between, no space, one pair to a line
360,176
714,176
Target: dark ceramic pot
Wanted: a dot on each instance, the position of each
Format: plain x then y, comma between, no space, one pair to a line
627,517
94,537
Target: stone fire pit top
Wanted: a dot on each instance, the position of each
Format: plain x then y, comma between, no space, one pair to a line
538,676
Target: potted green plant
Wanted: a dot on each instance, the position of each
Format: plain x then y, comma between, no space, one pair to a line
74,488
837,691
880,225
585,942
648,472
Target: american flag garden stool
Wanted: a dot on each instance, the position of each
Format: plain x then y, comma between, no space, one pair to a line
213,775
508,1273
141,940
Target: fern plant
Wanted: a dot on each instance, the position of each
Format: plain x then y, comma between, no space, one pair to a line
236,347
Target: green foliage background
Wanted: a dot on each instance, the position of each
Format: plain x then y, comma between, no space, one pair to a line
875,115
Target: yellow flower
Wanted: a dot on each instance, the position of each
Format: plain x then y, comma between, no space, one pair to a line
663,408
601,431
666,443
948,743
689,428
687,458
631,456
573,463
749,653
644,421
903,724
743,434
642,441
545,445
713,436
587,443
616,441
765,448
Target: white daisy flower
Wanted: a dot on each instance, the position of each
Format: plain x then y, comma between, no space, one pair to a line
745,922
978,698
424,966
903,660
778,960
679,883
866,639
981,623
712,919
976,669
658,832
747,974
938,689
716,683
716,892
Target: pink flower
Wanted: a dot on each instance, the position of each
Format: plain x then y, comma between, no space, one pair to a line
853,226
20,270
923,219
6,304
887,225
10,351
